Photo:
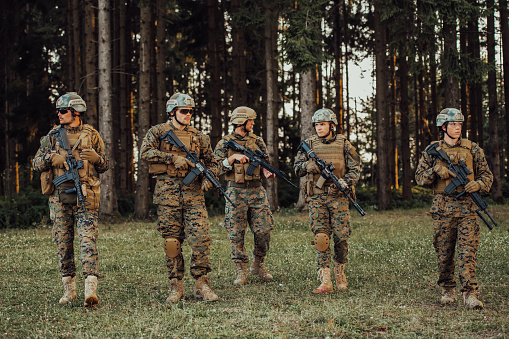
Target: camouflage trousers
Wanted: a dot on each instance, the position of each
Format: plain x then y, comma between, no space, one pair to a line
329,213
187,221
461,233
253,209
62,217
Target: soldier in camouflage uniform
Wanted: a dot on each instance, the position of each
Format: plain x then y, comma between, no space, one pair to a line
181,209
328,206
50,160
454,219
248,194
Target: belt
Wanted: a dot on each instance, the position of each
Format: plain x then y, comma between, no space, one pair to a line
247,184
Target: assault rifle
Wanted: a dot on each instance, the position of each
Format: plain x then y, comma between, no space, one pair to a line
461,171
256,158
327,172
199,167
72,173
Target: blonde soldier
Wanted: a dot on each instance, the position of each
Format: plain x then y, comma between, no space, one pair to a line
454,219
181,209
86,145
328,207
248,194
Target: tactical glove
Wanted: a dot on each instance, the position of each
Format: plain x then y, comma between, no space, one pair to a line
181,163
443,172
312,167
205,185
343,184
90,155
57,161
472,186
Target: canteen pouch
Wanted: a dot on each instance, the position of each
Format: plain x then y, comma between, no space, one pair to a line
239,173
67,198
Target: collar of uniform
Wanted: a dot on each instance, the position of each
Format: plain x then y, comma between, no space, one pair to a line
74,130
240,137
175,127
451,146
329,141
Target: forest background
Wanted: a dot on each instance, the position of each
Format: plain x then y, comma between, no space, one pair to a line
285,59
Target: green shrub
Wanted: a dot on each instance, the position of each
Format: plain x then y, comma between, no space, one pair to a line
27,209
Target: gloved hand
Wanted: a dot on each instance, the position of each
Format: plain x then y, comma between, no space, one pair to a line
205,185
312,167
90,155
181,163
343,184
57,161
472,186
443,172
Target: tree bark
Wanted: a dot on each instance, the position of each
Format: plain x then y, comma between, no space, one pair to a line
214,70
494,149
504,28
161,61
307,91
405,127
142,184
238,60
449,58
76,20
108,206
90,63
384,193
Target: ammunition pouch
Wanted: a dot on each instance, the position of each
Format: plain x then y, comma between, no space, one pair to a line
67,198
47,185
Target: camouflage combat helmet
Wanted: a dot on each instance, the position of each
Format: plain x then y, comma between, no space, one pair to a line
242,114
449,115
323,115
72,100
179,100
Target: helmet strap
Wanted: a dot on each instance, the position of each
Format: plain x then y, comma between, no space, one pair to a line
446,132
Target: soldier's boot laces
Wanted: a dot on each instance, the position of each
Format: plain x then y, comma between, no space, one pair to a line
324,277
339,273
241,273
176,291
258,268
202,290
448,295
69,290
471,301
91,291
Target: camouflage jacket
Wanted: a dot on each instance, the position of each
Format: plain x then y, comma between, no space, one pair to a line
352,159
42,161
448,205
221,150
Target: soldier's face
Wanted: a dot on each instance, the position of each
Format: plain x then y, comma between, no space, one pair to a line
453,129
65,116
322,128
183,115
249,125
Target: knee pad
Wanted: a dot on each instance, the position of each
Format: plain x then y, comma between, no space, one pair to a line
322,241
172,247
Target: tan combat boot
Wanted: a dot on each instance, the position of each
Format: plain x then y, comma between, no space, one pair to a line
202,290
69,290
324,277
471,301
448,295
258,268
90,291
176,291
339,273
241,273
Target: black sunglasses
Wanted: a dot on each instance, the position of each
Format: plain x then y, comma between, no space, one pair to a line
64,110
186,111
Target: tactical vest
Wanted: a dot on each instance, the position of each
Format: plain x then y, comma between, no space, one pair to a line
330,152
461,152
239,170
188,138
88,176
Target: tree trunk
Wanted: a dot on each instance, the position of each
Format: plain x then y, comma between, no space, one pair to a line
161,62
142,184
90,63
238,60
394,123
338,59
307,108
382,114
108,206
405,128
494,149
76,20
214,70
71,82
451,94
504,28
272,111
123,116
434,97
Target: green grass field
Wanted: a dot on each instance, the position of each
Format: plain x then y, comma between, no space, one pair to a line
391,275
